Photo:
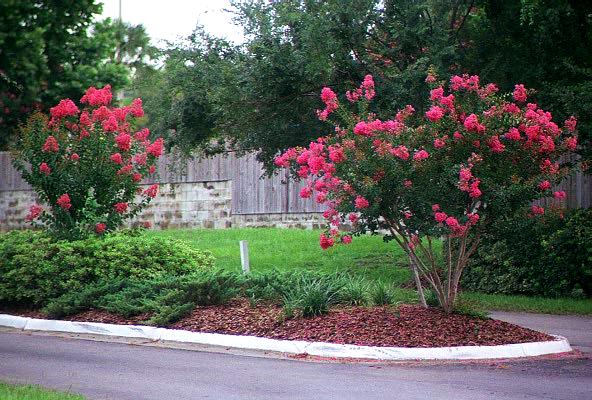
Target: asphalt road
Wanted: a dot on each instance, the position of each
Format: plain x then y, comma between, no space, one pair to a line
122,371
577,329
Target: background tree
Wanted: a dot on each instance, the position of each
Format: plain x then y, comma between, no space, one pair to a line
262,96
545,44
54,49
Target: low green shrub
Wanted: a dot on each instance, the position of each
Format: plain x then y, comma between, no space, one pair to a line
35,268
381,295
166,299
354,292
312,296
549,257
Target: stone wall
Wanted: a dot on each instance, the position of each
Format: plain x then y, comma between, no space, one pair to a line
184,205
14,207
178,205
292,220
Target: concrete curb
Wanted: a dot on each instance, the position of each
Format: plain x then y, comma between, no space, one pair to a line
559,345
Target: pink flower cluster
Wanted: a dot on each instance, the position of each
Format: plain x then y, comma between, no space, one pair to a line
51,145
468,183
97,97
64,202
34,212
366,90
328,97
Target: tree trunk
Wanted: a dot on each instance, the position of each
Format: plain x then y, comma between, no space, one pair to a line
418,284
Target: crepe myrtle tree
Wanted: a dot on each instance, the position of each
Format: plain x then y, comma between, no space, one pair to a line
86,166
441,177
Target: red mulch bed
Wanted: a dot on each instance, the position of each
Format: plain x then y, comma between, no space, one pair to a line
402,326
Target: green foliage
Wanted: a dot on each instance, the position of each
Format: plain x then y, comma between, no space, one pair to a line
52,50
311,295
354,292
262,95
30,392
545,44
35,268
555,260
381,295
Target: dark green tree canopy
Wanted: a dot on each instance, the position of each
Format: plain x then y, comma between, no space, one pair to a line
263,94
53,49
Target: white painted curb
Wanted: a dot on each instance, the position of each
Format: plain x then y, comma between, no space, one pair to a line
559,345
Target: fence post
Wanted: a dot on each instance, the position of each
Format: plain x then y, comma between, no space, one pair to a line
244,252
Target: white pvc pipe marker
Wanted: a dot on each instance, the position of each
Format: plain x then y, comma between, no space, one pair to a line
244,252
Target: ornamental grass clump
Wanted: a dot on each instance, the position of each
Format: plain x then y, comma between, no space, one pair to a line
474,157
86,165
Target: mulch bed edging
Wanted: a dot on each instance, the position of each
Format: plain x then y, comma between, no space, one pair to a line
406,326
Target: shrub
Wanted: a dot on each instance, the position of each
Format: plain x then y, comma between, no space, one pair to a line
86,167
35,268
475,157
354,292
166,298
381,295
556,260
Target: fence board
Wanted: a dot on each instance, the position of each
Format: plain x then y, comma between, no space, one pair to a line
252,194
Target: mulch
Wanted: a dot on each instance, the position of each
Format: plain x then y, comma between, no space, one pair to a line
401,326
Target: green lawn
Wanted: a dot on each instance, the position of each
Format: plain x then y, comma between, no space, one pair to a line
367,257
29,392
285,249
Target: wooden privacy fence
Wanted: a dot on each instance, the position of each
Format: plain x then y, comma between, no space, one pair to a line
254,194
251,192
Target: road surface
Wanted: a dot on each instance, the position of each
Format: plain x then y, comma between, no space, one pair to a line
121,371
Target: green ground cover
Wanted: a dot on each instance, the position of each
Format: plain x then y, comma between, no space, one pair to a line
29,392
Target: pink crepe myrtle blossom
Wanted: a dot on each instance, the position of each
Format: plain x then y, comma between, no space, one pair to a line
559,195
544,185
570,123
34,212
435,113
97,97
361,203
100,228
537,210
151,191
65,108
110,124
44,169
519,93
571,143
156,148
440,217
121,207
439,143
420,155
326,241
124,142
50,145
472,124
64,202
305,192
